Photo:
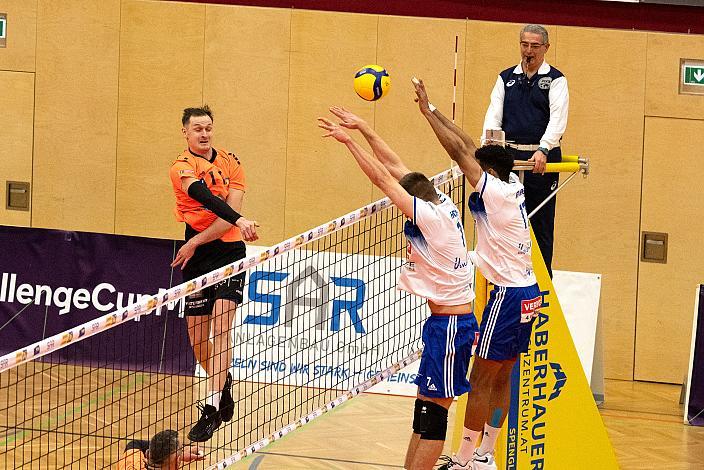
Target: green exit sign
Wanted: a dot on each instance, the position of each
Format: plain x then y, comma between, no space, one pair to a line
693,75
3,26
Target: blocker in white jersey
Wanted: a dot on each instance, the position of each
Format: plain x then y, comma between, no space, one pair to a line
503,255
438,269
503,252
437,266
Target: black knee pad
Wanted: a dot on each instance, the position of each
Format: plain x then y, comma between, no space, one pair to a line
432,421
416,415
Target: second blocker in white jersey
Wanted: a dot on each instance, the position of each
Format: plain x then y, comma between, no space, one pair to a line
503,252
438,267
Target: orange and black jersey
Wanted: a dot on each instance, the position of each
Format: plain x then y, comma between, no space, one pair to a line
220,174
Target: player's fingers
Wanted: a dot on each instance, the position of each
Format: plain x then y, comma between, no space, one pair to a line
177,260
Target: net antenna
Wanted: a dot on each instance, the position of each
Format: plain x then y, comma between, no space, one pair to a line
454,92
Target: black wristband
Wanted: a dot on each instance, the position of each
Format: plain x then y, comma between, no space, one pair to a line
200,192
544,150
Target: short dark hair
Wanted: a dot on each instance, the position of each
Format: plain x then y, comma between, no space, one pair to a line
418,185
162,446
188,113
497,158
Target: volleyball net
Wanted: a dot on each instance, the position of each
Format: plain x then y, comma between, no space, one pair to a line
321,321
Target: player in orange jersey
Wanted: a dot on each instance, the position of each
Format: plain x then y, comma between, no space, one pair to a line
209,186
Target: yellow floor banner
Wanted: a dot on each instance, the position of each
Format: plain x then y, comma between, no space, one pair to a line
553,422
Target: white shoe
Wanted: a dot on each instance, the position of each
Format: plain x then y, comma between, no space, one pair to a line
483,462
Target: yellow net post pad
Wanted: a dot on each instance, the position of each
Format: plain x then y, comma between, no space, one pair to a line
553,421
570,158
569,167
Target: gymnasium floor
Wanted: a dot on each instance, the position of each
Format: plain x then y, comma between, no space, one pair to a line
644,422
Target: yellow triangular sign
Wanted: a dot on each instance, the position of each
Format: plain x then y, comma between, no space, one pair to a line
553,421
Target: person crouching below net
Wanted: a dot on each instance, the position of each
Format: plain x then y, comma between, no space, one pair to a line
209,186
437,269
162,452
503,255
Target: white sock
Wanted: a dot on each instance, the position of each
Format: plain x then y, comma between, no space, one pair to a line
488,440
213,399
467,446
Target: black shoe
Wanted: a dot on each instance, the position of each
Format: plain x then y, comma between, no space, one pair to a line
227,404
209,421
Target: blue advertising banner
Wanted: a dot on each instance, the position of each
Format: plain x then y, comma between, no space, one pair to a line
694,409
52,280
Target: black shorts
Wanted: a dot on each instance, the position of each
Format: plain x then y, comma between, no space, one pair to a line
207,257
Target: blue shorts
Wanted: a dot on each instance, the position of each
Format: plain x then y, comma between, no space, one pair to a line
508,321
447,348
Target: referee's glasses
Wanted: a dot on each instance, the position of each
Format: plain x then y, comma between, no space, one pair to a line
533,46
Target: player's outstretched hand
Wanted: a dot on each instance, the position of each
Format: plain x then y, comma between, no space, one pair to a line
334,130
347,118
248,228
421,95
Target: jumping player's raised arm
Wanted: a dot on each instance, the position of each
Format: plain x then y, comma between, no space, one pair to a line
375,171
456,142
390,159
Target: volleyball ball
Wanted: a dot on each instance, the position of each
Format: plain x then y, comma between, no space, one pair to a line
372,82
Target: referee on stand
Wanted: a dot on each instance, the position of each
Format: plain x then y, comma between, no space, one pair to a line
530,103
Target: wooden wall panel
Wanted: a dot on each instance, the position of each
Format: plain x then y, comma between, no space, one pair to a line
161,73
246,83
663,75
76,114
21,44
17,103
322,178
597,217
666,291
424,48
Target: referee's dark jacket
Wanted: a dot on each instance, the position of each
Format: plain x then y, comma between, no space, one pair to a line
533,114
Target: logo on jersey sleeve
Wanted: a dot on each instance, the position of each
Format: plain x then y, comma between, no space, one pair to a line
186,172
544,83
